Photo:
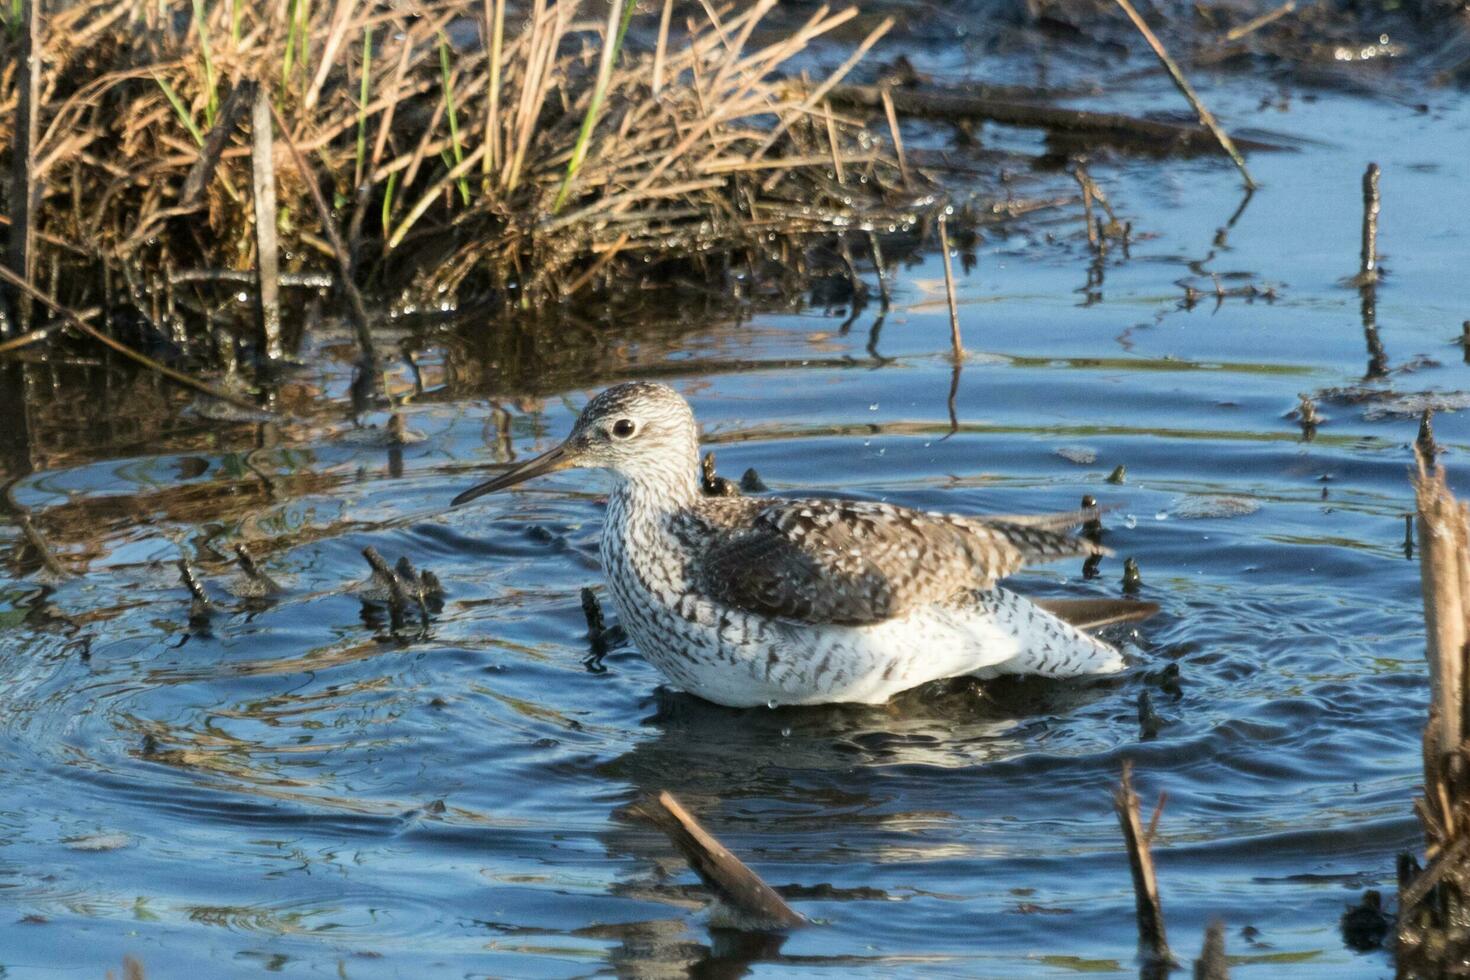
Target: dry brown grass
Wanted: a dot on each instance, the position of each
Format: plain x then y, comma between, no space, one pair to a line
443,163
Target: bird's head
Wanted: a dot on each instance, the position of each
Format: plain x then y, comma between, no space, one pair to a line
640,431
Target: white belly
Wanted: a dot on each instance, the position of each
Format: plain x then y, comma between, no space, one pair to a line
741,660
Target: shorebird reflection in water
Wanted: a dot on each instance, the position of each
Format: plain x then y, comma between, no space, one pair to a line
763,601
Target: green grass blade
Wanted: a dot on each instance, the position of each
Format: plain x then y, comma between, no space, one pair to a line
303,41
179,108
616,30
364,92
388,202
211,94
452,112
290,54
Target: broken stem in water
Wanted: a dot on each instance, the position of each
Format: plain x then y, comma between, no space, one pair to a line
1432,901
1151,938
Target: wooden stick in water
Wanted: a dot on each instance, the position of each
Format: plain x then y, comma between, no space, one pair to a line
1443,530
1212,964
876,250
1206,118
740,890
38,542
1086,185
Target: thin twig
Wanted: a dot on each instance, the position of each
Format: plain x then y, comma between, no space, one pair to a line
876,249
1182,83
957,346
661,50
1256,23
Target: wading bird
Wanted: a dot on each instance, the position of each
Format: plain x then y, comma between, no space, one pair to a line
764,601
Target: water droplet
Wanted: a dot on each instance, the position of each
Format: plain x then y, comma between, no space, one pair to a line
786,732
1130,522
873,407
771,704
1162,515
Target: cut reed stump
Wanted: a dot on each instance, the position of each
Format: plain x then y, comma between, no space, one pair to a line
743,900
1368,272
1434,915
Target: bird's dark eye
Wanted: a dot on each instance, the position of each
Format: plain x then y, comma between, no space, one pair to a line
623,428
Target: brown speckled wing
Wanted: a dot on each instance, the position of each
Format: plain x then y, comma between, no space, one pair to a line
855,562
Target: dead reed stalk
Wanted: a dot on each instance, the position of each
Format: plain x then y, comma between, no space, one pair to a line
1152,943
263,197
1433,939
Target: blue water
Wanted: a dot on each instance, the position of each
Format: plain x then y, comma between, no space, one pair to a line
293,789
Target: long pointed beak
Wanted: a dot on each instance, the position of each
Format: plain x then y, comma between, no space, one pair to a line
557,458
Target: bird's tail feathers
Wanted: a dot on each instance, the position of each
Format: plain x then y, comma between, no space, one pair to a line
1038,543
